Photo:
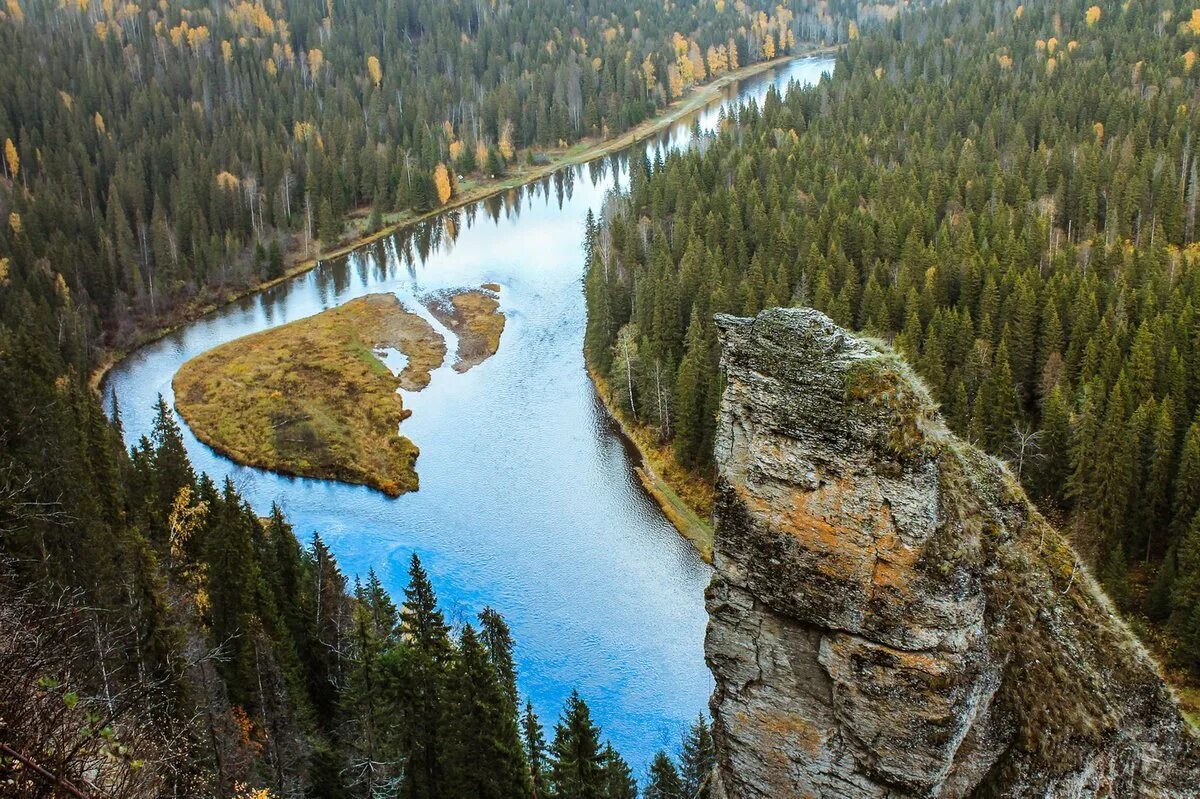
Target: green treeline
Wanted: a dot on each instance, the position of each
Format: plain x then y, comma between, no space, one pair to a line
254,666
1010,194
156,154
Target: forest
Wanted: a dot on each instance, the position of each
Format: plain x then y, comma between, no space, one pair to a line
159,158
1007,192
162,637
159,638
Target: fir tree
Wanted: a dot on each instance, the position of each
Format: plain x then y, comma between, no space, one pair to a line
663,782
576,770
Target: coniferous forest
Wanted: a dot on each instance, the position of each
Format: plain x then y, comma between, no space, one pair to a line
157,636
1006,191
158,156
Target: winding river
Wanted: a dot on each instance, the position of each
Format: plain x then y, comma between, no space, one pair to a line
528,500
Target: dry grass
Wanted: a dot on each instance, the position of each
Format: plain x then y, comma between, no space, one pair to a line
685,496
310,398
475,318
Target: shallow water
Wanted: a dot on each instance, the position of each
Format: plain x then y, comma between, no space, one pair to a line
528,501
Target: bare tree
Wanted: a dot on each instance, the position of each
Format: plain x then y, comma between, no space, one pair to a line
1024,446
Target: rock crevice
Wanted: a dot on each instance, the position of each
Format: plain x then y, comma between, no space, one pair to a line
889,616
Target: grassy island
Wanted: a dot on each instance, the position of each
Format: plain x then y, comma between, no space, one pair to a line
312,398
474,316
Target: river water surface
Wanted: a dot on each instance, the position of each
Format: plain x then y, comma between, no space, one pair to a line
528,500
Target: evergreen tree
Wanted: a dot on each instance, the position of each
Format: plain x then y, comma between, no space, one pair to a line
417,678
618,777
698,760
535,753
663,781
576,769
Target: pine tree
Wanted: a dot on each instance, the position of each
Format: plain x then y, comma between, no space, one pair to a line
535,753
663,781
689,395
417,678
698,760
618,777
576,770
1186,500
1185,596
485,758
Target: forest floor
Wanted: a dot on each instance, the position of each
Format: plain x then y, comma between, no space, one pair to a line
300,256
685,497
312,398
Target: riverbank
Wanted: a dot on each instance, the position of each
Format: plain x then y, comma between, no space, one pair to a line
682,495
298,262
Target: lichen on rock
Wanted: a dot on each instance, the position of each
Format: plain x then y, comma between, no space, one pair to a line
890,616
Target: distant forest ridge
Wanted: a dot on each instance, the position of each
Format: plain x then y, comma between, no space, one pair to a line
157,156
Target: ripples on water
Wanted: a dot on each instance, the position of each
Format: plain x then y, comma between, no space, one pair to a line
528,501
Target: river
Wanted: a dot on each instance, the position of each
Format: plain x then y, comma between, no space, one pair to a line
528,500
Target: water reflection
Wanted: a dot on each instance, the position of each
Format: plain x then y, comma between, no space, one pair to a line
528,501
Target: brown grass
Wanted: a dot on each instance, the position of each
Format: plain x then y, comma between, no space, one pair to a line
685,496
311,398
475,318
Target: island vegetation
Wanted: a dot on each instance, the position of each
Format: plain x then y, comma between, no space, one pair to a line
312,398
474,317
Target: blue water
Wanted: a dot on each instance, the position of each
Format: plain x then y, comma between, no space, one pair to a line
528,501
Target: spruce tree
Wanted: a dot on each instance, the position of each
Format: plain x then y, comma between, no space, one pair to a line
485,758
417,679
618,776
576,770
698,760
663,782
534,743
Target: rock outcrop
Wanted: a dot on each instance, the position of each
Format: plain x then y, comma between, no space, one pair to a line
890,616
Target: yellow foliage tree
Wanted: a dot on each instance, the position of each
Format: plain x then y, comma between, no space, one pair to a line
3,271
441,181
15,13
648,73
1092,15
1189,59
14,222
505,145
375,69
226,50
852,30
456,149
733,54
11,159
315,59
99,121
1194,23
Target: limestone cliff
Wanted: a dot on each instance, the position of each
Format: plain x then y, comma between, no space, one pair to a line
890,616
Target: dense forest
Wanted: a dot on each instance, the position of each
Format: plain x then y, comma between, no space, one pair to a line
1008,193
201,651
158,157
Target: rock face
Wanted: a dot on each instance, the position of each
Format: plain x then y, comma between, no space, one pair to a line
890,616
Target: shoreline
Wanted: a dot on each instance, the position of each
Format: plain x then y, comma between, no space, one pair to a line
581,152
691,526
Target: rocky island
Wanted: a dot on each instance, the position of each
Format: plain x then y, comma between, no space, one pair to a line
314,398
890,616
